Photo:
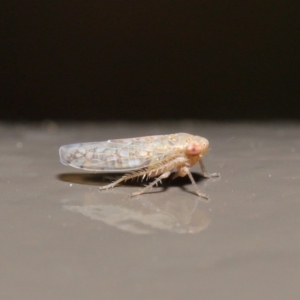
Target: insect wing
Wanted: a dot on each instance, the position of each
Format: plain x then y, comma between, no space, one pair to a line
114,155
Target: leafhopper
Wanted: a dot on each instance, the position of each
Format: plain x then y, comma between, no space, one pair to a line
145,157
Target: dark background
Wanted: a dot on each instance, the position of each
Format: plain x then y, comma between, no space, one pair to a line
142,60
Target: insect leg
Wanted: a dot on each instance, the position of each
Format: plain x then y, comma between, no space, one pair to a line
162,176
186,171
175,175
205,174
123,178
113,184
158,169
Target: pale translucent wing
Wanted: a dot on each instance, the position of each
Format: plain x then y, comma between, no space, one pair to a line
116,155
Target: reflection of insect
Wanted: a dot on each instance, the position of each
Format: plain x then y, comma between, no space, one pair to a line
148,156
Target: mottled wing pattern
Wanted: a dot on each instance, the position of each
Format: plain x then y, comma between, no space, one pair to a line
119,155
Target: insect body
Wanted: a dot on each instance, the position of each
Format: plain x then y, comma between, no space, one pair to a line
149,156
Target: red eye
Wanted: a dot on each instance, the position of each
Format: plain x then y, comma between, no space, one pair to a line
193,149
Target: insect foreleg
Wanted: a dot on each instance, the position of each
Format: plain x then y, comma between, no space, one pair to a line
205,174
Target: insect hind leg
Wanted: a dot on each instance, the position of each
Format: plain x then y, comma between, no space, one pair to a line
142,174
163,169
113,184
149,186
